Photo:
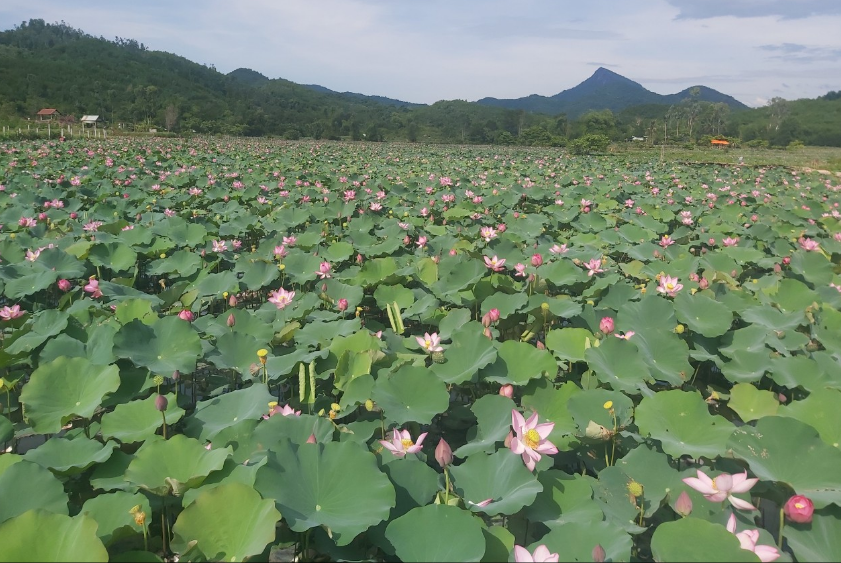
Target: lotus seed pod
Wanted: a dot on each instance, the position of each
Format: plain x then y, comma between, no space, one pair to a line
438,357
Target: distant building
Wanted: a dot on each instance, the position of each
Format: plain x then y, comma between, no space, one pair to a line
48,114
87,120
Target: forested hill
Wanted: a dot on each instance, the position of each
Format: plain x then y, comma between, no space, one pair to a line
132,87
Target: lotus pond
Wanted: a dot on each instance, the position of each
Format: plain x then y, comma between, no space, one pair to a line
226,350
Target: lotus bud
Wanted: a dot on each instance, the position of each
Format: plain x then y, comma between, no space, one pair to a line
599,554
443,453
232,301
186,315
64,285
231,321
606,325
507,390
703,283
786,260
782,398
161,403
540,345
799,509
536,260
73,215
343,304
777,268
487,332
311,439
493,314
683,504
324,288
176,375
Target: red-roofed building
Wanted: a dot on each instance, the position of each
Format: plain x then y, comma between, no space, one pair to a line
48,114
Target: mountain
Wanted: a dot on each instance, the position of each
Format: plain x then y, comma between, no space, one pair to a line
248,76
606,89
378,99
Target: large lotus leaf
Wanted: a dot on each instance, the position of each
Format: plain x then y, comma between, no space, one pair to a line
619,364
551,404
173,466
118,292
181,262
108,476
213,415
455,275
137,420
652,312
828,329
235,350
819,540
499,543
38,535
653,471
786,450
569,343
228,523
493,421
792,295
296,429
800,371
560,305
692,539
112,511
244,473
216,284
415,483
748,339
506,304
7,429
25,486
337,485
751,403
682,422
813,266
70,457
179,231
562,273
23,280
575,541
610,492
703,314
564,499
140,309
773,319
469,352
387,294
168,345
245,321
666,354
258,274
501,476
518,362
411,394
66,388
595,405
63,264
114,255
746,366
822,411
455,319
437,532
351,366
45,324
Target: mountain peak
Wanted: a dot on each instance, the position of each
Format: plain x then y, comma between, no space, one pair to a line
603,76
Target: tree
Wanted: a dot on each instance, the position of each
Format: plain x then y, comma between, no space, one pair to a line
779,110
170,117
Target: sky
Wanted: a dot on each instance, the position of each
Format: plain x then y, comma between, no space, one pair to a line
424,51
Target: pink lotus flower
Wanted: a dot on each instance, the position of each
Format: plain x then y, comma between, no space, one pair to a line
669,285
748,539
541,555
430,342
808,244
219,246
507,390
289,241
495,264
723,487
666,241
520,270
280,251
625,335
594,266
401,443
606,325
8,313
186,315
324,270
536,260
730,241
342,304
93,287
421,241
799,509
443,453
487,233
281,298
531,438
285,410
562,249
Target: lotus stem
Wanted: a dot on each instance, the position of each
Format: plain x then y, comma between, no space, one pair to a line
780,533
163,415
447,488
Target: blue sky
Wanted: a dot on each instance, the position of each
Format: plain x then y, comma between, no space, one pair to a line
429,50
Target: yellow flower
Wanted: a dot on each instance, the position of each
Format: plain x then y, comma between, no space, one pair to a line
608,405
272,404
